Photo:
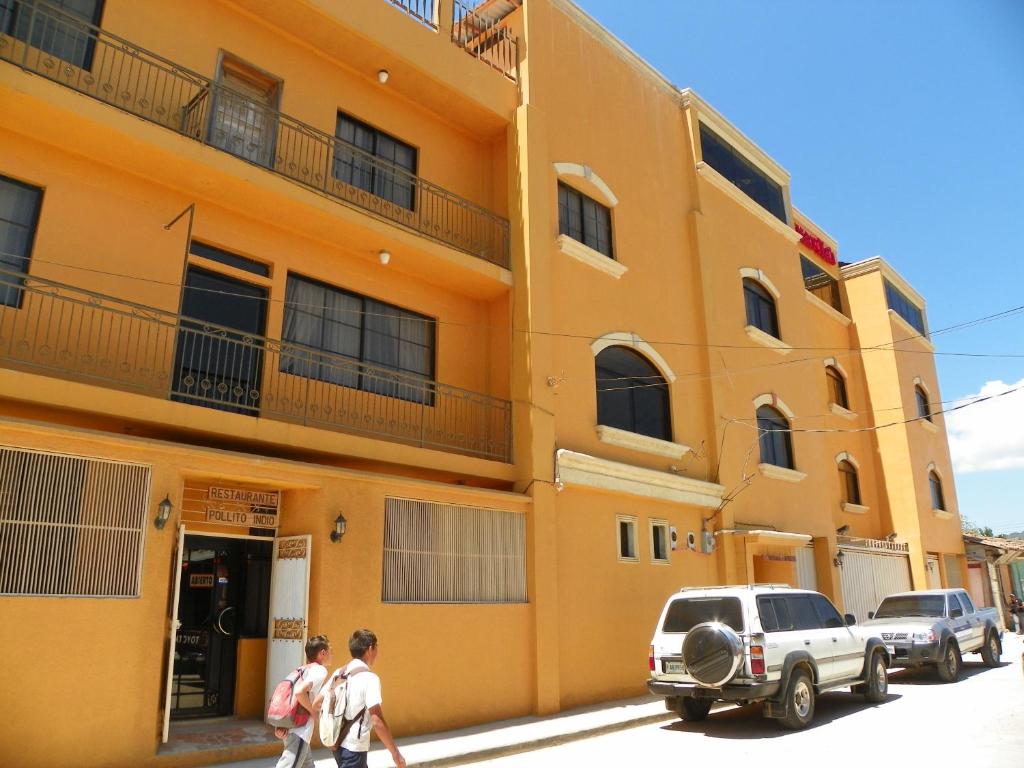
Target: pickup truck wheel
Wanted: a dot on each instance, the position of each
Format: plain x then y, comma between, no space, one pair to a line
876,688
799,700
948,668
991,651
695,710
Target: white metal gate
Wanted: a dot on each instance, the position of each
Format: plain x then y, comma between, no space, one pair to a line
934,579
871,572
806,576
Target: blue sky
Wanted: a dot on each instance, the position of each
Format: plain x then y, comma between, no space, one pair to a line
902,126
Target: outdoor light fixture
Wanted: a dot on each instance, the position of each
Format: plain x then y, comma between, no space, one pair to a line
384,256
383,75
842,530
339,528
891,537
163,512
837,561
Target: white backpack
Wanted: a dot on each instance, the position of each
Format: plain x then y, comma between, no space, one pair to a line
334,726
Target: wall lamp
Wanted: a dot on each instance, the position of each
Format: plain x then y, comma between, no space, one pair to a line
837,561
163,513
891,537
382,76
340,524
842,530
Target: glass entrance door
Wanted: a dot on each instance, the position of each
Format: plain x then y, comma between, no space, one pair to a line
224,595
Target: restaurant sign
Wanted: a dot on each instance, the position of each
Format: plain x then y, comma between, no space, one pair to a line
814,243
243,507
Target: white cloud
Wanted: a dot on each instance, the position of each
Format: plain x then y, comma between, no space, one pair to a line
989,435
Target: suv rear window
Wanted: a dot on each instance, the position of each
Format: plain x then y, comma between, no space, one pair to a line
686,613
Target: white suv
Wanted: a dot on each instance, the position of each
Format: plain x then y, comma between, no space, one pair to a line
767,643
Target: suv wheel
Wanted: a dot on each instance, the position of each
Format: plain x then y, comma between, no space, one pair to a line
948,668
876,688
991,651
799,700
695,710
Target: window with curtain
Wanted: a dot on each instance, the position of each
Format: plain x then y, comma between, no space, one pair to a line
836,387
924,408
631,394
19,216
55,28
774,438
585,220
935,485
366,340
760,306
849,483
374,161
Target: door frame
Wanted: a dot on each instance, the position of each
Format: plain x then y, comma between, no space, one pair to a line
184,531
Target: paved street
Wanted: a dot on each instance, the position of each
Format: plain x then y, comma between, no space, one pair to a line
976,722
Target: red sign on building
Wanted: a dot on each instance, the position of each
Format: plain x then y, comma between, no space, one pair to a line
816,244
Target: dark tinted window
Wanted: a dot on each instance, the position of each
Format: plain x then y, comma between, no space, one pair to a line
374,161
760,306
924,409
935,485
966,602
686,613
776,445
801,607
827,613
55,27
585,220
775,615
631,394
910,605
228,258
736,168
904,307
19,216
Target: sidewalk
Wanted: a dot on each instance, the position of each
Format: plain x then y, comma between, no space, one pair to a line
505,737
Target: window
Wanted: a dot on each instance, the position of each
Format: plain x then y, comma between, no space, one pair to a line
904,307
19,217
631,394
774,613
687,612
776,445
659,541
229,259
372,160
60,34
71,526
924,408
820,283
965,601
446,553
744,174
584,220
935,485
848,482
760,306
827,613
244,121
627,537
805,616
379,338
836,387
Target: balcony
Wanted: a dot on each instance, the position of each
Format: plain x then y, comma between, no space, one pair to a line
78,335
110,69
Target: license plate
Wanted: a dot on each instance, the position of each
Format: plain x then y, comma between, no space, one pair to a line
674,667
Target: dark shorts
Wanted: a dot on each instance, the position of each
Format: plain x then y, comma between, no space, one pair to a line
346,759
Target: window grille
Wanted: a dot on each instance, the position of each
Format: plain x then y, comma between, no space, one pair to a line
71,526
446,553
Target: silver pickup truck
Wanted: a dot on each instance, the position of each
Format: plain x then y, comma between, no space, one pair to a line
936,627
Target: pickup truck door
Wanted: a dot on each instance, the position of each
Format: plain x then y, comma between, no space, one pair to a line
975,619
961,622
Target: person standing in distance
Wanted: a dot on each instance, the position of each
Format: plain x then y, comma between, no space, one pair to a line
296,752
364,696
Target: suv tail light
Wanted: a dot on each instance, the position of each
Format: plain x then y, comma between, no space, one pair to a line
757,660
650,659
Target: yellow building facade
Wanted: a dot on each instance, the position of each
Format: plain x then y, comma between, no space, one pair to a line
460,323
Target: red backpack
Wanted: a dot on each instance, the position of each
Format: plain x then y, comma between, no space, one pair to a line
284,711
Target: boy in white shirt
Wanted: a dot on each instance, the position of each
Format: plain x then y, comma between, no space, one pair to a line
296,753
364,696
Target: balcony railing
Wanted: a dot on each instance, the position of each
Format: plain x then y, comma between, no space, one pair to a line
486,39
83,336
424,11
95,63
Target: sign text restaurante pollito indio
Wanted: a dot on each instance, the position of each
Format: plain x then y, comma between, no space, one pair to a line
242,507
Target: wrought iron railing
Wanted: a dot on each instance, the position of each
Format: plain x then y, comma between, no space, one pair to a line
421,10
486,39
80,335
93,62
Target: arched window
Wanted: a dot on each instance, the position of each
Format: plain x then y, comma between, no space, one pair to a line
631,394
935,484
849,483
836,387
760,305
776,445
924,408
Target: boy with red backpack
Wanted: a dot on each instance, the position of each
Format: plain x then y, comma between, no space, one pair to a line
306,682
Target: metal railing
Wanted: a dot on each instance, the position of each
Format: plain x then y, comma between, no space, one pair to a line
112,70
421,10
486,39
80,335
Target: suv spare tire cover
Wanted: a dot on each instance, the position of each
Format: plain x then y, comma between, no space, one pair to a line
712,653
